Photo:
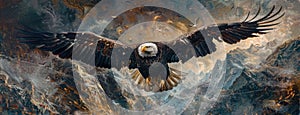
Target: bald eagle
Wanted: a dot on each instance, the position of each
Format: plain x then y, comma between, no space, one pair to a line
150,54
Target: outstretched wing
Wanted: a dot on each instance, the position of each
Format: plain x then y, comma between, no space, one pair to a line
200,42
65,45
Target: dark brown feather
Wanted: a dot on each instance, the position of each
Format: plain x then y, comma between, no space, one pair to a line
235,32
199,43
66,44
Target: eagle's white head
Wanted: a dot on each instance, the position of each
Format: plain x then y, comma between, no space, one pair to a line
147,50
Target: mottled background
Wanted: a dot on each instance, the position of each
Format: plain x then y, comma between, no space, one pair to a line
262,74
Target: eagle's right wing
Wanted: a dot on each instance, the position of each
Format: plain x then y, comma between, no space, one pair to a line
82,44
199,43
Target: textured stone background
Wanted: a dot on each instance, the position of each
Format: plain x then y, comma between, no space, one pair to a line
262,74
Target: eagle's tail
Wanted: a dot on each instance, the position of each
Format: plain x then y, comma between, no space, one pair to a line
148,85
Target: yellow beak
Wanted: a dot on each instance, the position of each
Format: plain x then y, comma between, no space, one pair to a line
143,48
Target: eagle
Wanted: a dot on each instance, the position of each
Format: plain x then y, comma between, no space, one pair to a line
151,54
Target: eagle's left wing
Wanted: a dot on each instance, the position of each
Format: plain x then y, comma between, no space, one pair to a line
200,42
85,46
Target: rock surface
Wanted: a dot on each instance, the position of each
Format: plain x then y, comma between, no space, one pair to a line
262,75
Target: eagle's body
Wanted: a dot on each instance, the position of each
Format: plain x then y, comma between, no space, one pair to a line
143,63
155,55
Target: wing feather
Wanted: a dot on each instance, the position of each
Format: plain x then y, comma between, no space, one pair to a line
201,40
62,44
248,29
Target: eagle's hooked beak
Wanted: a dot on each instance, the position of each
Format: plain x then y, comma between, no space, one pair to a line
143,48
